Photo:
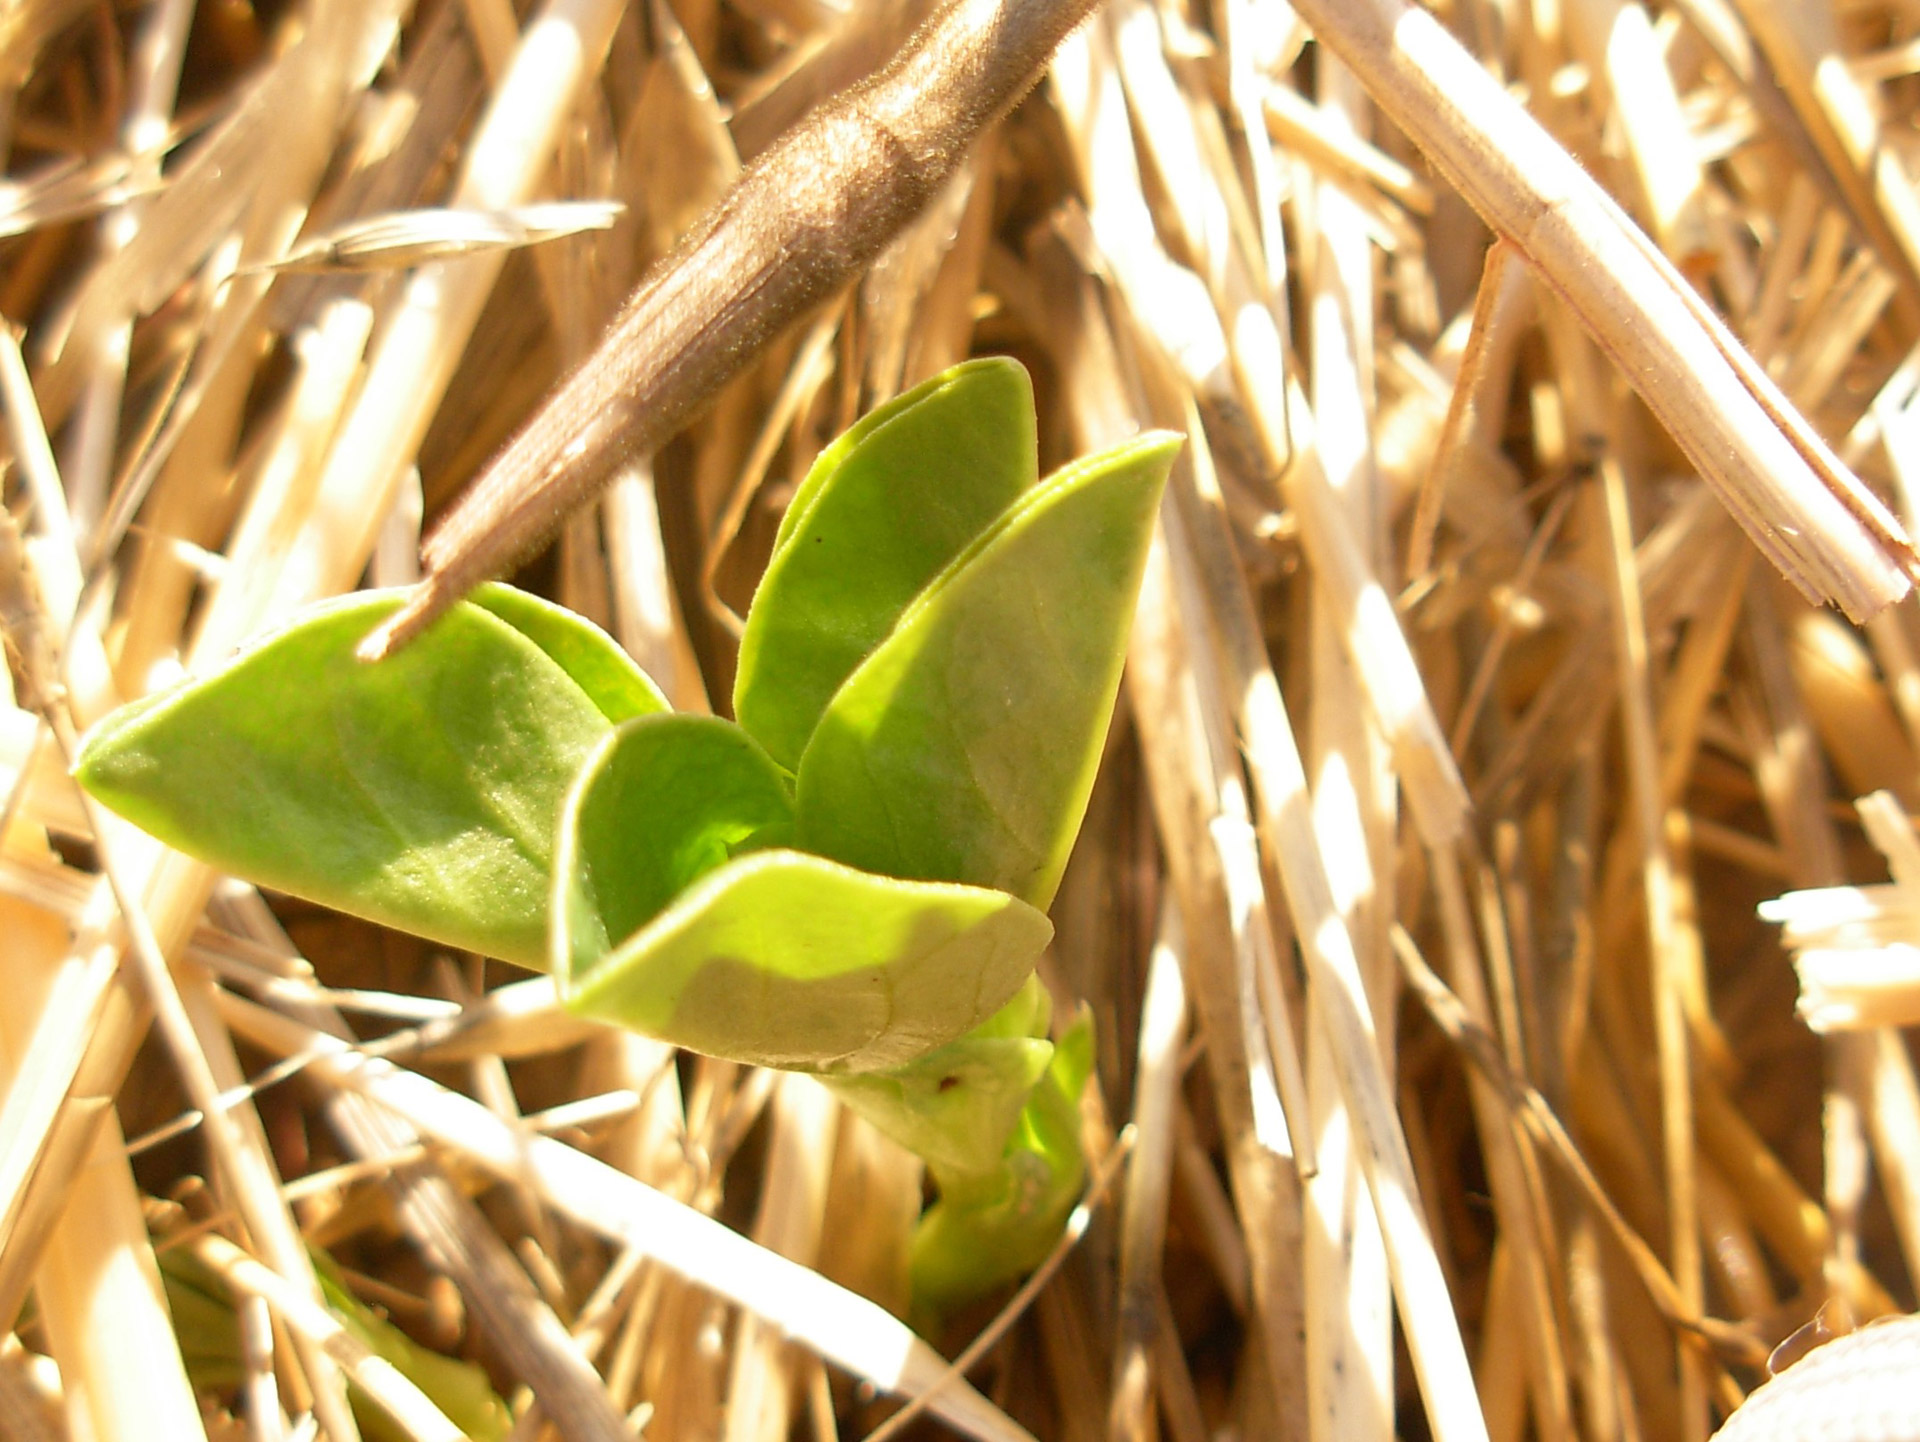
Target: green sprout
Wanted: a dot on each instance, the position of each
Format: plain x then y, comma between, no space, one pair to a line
851,881
209,1332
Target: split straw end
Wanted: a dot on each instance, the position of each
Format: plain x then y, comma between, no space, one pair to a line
428,601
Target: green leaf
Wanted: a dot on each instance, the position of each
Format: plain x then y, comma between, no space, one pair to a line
964,748
209,1335
988,1229
573,643
210,1345
422,791
670,799
777,958
956,1107
883,509
461,1390
204,1323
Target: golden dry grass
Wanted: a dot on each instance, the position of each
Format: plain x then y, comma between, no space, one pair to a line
1463,733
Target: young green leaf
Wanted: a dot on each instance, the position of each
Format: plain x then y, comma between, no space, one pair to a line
956,1107
784,959
422,792
964,748
672,798
203,1321
883,509
776,958
991,1227
460,1390
209,1333
573,643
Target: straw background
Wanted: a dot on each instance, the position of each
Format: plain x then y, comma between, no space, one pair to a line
1464,731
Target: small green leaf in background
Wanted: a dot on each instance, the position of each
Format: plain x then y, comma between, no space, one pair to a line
884,508
964,748
422,792
209,1333
204,1322
460,1390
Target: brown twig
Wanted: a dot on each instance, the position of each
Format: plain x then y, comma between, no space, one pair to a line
799,224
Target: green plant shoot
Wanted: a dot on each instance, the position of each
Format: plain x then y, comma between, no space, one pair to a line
852,880
209,1332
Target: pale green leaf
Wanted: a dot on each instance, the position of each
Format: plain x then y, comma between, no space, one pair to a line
884,508
964,748
421,791
586,653
667,799
956,1107
783,959
992,1227
461,1390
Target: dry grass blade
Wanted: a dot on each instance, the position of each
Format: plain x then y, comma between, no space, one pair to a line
414,237
833,1322
68,192
1533,1111
1857,948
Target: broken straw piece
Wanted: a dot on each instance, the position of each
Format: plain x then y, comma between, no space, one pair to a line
1856,949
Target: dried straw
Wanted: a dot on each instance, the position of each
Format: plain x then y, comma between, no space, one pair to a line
1482,321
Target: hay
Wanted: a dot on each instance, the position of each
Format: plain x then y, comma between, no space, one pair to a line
1464,732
